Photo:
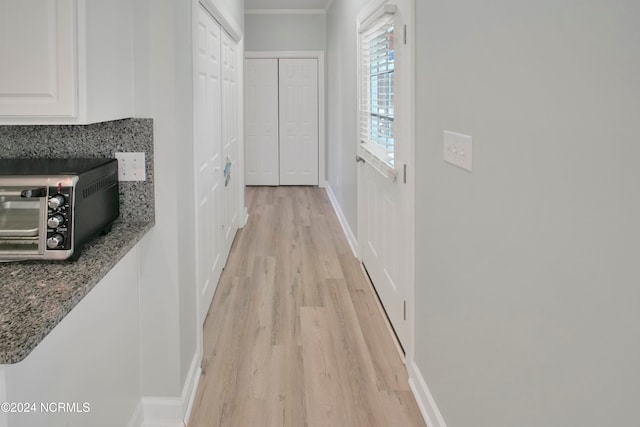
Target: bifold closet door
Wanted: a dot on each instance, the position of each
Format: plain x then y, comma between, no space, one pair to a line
298,87
208,158
261,122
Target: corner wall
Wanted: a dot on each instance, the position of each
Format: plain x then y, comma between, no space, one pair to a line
163,92
527,296
342,106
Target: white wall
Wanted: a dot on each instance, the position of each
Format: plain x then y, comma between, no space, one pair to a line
163,91
288,32
155,54
342,105
527,299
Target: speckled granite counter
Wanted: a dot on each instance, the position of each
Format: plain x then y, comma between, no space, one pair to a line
37,295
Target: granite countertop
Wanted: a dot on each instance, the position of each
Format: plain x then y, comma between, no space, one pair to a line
36,295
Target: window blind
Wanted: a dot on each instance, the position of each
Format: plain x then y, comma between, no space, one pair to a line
377,89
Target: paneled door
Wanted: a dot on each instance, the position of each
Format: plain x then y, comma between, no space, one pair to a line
208,158
385,162
230,150
382,209
298,87
37,54
261,122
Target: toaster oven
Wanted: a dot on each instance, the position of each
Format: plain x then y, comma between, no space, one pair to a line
50,208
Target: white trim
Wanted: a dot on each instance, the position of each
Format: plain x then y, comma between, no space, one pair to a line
191,387
224,19
285,12
319,55
351,238
195,16
386,9
173,411
285,54
162,412
367,13
424,399
242,207
411,183
137,419
246,217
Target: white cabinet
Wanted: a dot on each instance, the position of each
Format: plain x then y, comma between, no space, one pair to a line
65,61
90,362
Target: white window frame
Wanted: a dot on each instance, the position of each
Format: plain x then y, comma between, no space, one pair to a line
382,159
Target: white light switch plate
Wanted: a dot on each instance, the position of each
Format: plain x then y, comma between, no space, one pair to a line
458,150
131,167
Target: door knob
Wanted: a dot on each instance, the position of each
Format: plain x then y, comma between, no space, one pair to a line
359,159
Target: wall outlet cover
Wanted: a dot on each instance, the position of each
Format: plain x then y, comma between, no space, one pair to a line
458,150
131,167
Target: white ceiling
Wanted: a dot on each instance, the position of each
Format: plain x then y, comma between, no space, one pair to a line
286,4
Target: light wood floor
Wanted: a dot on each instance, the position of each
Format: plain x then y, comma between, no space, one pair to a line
294,336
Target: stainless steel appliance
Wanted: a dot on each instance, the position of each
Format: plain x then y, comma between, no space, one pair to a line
49,208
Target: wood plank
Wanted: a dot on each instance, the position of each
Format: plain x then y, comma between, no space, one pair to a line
294,336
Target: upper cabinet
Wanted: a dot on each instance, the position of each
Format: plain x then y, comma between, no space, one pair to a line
65,61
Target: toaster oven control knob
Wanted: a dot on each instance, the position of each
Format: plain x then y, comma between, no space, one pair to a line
56,201
55,221
55,241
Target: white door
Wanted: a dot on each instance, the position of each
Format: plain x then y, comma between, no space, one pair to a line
381,212
261,122
208,158
298,82
385,195
230,150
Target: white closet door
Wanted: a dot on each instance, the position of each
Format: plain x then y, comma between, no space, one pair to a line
208,159
230,217
261,122
298,81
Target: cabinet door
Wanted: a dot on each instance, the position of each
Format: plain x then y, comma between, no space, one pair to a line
37,58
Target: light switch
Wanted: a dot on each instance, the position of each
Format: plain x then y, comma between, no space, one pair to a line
458,150
131,167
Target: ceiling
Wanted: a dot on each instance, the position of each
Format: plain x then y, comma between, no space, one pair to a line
287,4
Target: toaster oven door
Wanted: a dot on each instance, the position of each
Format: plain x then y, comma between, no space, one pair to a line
23,211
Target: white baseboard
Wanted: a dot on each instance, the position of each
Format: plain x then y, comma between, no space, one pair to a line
137,419
173,411
423,397
351,238
191,386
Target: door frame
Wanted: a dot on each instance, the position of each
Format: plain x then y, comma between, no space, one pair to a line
319,55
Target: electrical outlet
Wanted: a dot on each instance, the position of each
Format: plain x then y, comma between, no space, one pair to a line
131,167
458,150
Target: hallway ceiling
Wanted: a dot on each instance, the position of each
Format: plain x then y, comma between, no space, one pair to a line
287,4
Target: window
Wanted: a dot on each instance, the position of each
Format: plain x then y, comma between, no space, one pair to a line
377,68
